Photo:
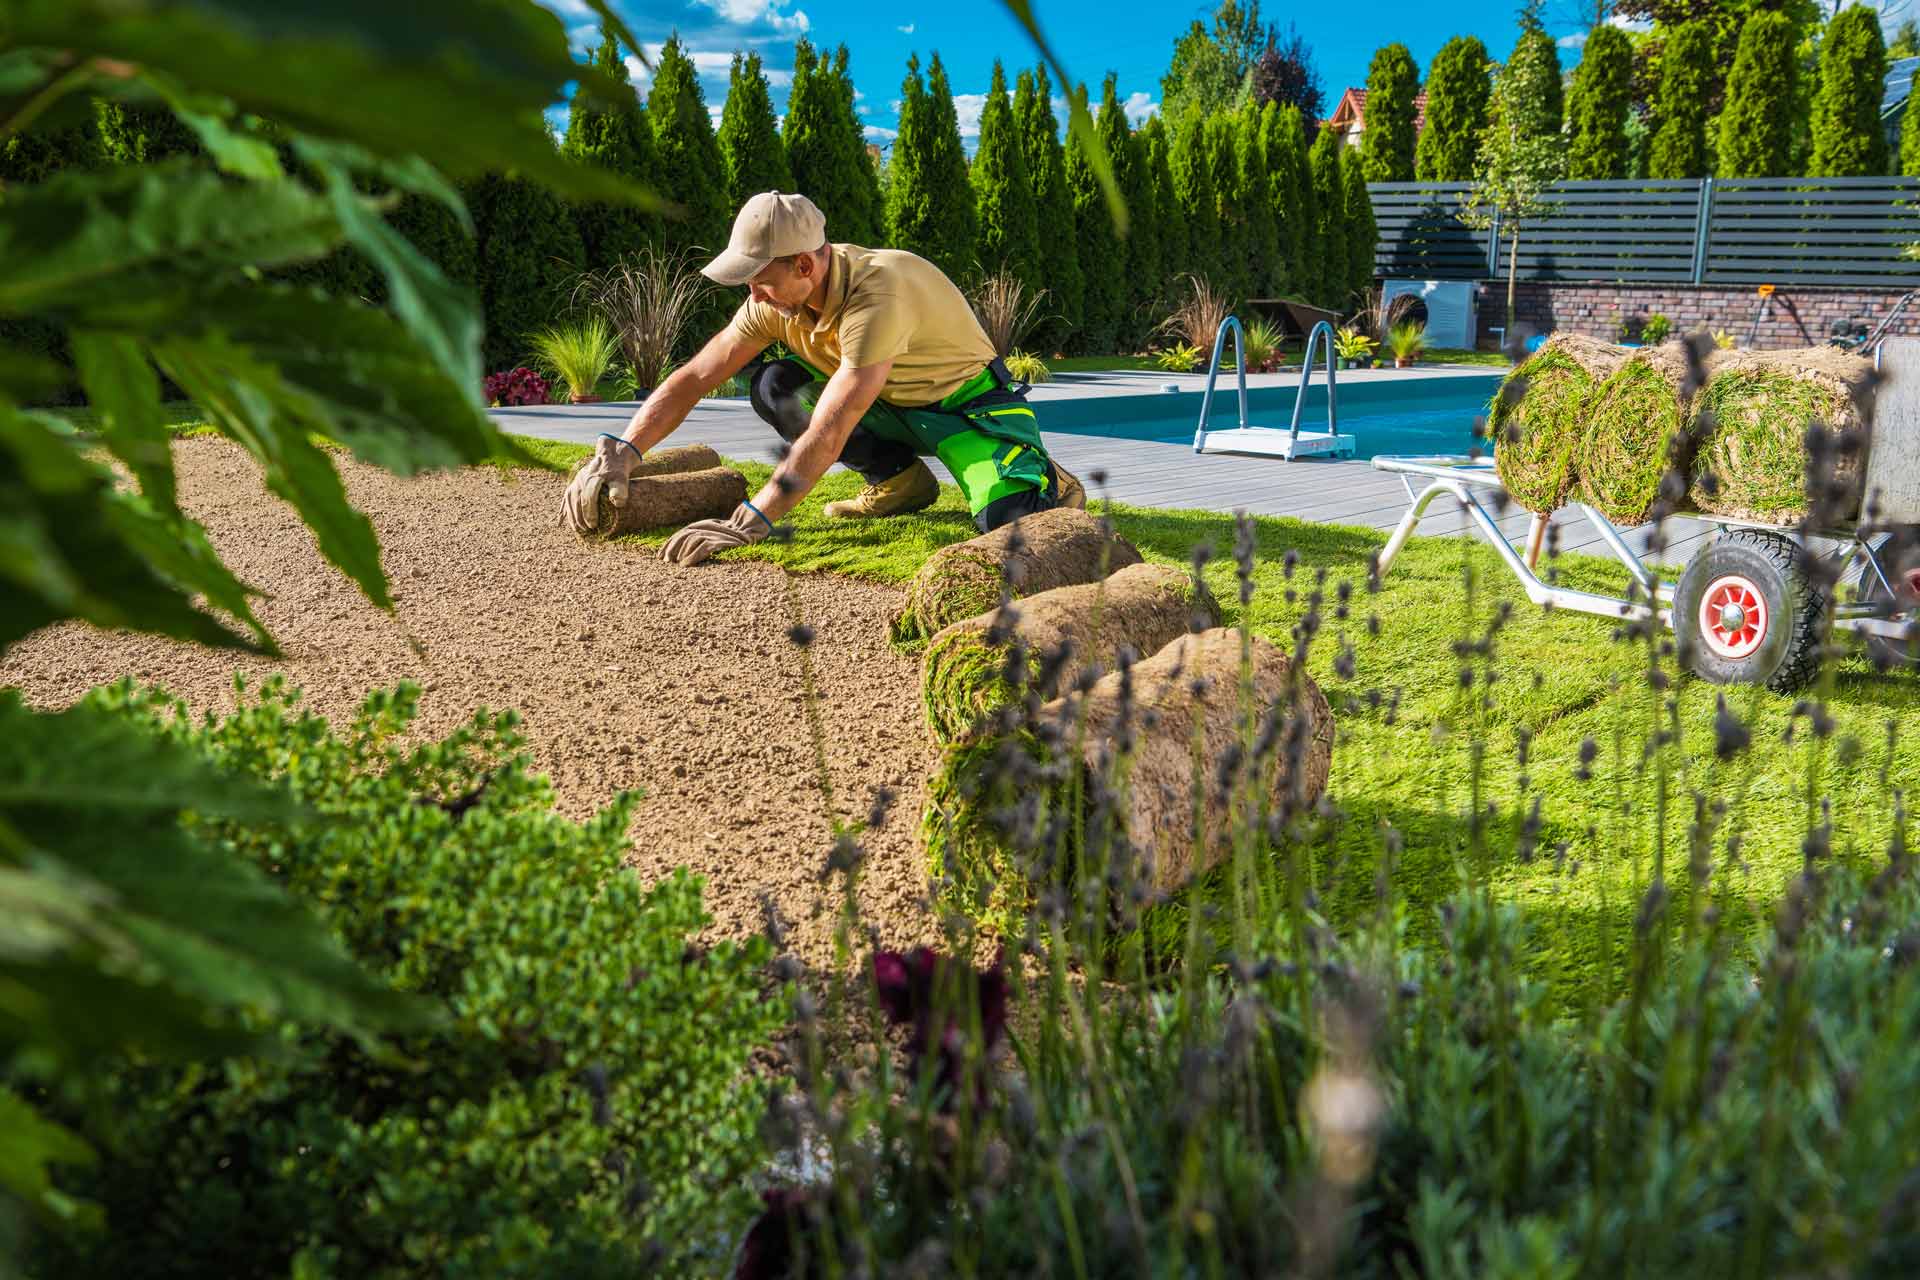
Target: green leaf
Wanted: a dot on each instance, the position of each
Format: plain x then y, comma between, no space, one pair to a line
29,1146
124,390
248,400
120,239
462,83
71,546
443,316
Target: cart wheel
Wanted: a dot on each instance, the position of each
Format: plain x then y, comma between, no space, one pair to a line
1899,555
1747,612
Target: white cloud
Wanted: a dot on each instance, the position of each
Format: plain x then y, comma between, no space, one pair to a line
752,13
968,107
1577,40
906,30
880,133
865,110
1139,107
572,10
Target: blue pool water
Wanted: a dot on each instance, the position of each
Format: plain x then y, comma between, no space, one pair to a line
1414,415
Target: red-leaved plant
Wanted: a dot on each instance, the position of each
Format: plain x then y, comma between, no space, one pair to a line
516,387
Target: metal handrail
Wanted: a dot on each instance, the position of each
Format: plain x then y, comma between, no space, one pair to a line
1319,331
1213,371
1319,337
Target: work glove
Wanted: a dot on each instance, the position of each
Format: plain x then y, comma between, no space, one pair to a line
605,473
703,538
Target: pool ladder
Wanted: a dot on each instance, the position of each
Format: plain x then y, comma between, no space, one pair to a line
1271,441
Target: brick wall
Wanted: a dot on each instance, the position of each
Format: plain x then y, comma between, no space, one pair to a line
1799,315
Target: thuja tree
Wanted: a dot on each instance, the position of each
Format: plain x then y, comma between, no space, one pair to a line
1285,149
750,148
529,252
1536,63
929,201
1003,193
1848,140
1255,195
1457,92
1386,147
1046,163
691,174
1142,265
1362,233
1910,142
608,127
1102,297
1517,165
1597,109
1686,83
1176,244
1331,275
1193,192
1756,127
1223,172
826,149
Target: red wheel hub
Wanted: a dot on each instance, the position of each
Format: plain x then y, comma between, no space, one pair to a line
1733,617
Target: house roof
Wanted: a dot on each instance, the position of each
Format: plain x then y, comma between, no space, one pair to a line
1352,110
1900,73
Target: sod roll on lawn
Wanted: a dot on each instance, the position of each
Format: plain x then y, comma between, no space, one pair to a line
1758,407
673,487
1058,548
1539,415
1068,632
1632,419
1180,710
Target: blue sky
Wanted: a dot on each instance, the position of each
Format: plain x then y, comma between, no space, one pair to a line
1092,37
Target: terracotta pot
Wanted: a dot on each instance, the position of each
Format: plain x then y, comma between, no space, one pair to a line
582,398
1402,362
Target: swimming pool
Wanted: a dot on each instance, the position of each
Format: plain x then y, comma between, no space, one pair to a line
1420,415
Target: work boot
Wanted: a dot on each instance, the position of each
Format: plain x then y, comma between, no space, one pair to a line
1067,491
911,490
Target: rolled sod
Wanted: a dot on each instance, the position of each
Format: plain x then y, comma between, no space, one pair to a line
1539,414
1632,423
1059,548
673,498
1169,821
1757,407
1068,632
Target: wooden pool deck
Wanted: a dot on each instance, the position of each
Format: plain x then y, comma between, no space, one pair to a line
1151,474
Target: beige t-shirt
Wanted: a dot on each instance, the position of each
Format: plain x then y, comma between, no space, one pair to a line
881,304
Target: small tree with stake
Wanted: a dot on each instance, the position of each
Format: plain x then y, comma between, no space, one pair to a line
1518,165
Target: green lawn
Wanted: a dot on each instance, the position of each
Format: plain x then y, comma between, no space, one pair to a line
1562,678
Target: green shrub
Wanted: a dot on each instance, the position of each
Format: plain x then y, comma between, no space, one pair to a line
1655,328
586,1110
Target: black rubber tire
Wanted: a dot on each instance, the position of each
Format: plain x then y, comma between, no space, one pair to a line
1898,552
1787,656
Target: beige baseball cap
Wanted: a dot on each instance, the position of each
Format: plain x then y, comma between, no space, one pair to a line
771,225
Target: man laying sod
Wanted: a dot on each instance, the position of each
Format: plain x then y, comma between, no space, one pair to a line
889,366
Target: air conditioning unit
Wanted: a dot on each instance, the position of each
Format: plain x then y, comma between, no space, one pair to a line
1451,320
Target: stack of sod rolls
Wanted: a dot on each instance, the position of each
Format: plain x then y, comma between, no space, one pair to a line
1633,422
1123,786
979,665
673,487
1059,548
1539,415
1757,409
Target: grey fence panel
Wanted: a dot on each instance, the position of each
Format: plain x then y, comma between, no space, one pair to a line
1850,231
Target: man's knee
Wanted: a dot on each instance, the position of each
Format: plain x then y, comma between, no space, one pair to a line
1010,507
775,393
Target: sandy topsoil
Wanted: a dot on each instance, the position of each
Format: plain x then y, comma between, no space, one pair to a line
629,673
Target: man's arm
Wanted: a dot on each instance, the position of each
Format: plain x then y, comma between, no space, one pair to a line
725,354
848,395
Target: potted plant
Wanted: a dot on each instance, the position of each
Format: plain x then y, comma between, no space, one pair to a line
1353,347
650,299
1406,340
579,355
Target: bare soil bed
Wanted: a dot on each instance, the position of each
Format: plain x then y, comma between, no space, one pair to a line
629,673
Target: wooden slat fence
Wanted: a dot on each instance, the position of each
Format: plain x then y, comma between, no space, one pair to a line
1816,231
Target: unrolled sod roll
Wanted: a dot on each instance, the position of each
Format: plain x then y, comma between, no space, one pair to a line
1058,548
1189,690
1142,608
1759,406
673,498
1631,423
1539,414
